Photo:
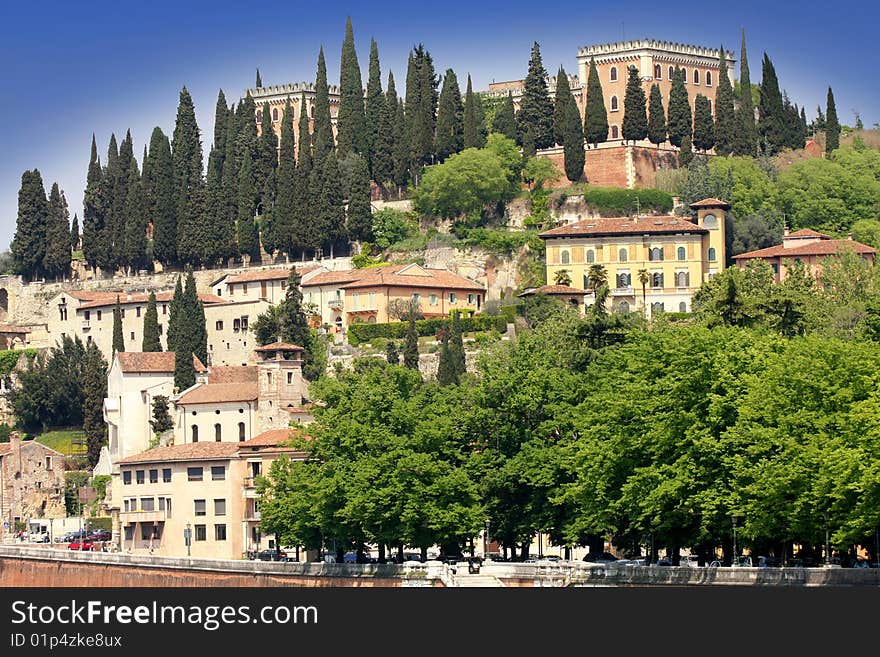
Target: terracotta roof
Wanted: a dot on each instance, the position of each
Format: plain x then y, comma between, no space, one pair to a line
275,346
152,361
140,297
710,203
820,248
270,438
807,232
232,374
219,393
87,295
411,276
625,226
268,274
187,452
332,277
554,289
7,328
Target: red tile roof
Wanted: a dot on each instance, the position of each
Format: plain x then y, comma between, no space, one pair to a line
282,346
272,438
140,297
7,328
219,393
554,289
232,374
625,226
269,274
152,361
189,452
88,295
821,248
394,276
332,277
807,232
710,203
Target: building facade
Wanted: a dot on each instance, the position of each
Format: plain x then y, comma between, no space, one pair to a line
278,95
31,483
655,263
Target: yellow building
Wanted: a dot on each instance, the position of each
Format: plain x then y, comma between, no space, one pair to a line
655,263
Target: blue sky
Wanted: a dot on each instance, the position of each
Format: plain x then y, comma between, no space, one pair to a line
70,69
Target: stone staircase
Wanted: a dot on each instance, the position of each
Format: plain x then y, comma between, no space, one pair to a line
476,581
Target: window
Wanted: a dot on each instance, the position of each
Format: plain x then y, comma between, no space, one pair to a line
655,254
623,307
614,74
129,532
195,433
164,308
657,279
269,378
615,132
231,289
122,313
710,221
199,507
126,476
219,325
452,297
708,83
146,531
88,315
244,288
259,116
684,75
99,316
200,533
431,300
219,532
712,254
218,472
244,323
138,311
125,505
682,279
62,312
470,299
290,374
671,72
656,307
241,434
139,476
132,335
624,279
236,325
682,253
218,433
48,462
275,114
194,474
148,504
154,476
220,507
166,475
564,257
591,256
696,76
614,104
658,71
683,307
283,285
417,297
622,255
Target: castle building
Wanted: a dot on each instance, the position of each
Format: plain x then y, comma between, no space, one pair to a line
277,95
651,262
31,483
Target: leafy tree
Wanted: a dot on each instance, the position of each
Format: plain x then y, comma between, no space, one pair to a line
194,312
151,341
725,123
359,219
573,143
159,182
161,420
832,126
322,134
94,386
771,116
188,183
745,137
176,318
504,122
680,124
685,153
29,244
656,116
538,171
118,340
411,346
136,218
472,130
446,371
535,107
375,107
595,116
450,118
560,103
56,259
456,345
74,234
704,126
562,277
352,134
285,205
635,118
391,354
384,144
184,369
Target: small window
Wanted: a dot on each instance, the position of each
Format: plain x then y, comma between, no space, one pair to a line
126,505
88,315
218,472
683,307
122,313
219,325
657,279
236,325
231,289
195,432
591,256
132,335
220,507
658,70
452,297
259,116
146,531
470,299
218,433
126,476
283,285
269,378
624,279
655,254
708,84
614,104
682,279
622,255
129,532
200,533
139,476
431,300
671,72
219,532
416,297
657,307
166,475
148,504
711,254
48,462
615,132
99,316
696,76
164,308
275,114
138,311
682,253
244,288
614,74
241,433
199,507
710,221
244,325
194,474
154,476
565,258
289,378
684,75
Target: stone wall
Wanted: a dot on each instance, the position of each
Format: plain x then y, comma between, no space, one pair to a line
627,167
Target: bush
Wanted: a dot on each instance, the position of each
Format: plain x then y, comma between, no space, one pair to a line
610,201
497,241
358,333
5,430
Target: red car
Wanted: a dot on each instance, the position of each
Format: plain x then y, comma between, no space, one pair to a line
84,545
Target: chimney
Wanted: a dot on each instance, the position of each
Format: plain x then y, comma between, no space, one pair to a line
14,441
785,231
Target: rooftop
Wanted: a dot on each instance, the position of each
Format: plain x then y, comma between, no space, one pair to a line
219,393
142,297
233,374
279,346
654,44
564,290
268,274
207,451
271,438
625,226
710,203
821,247
152,361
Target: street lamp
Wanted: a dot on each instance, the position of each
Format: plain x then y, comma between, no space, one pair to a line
733,518
187,537
486,541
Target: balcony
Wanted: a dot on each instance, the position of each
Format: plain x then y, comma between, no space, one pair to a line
623,291
335,304
129,517
254,516
85,325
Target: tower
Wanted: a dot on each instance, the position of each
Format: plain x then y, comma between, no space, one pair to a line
281,385
711,214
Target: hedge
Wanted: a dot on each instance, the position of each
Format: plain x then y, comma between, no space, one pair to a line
612,201
358,333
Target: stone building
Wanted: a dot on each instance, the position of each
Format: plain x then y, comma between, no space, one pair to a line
31,482
278,95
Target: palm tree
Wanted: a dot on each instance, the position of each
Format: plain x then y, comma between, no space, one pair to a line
644,277
562,277
597,276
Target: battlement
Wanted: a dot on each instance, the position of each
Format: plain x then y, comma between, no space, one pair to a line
619,47
284,90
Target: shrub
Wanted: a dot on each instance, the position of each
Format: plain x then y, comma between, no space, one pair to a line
610,201
358,333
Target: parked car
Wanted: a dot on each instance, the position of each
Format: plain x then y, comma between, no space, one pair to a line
100,535
769,562
689,561
73,536
39,537
863,563
603,557
272,555
81,544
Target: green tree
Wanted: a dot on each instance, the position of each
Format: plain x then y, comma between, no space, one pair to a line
330,212
56,259
745,136
384,144
686,152
391,354
595,116
352,134
259,82
74,234
118,340
136,218
450,118
322,134
472,130
535,107
94,386
704,126
248,244
188,183
29,244
302,218
411,345
266,162
562,277
94,201
725,123
221,119
176,318
771,116
285,204
151,340
680,124
573,143
560,103
446,370
196,331
635,118
456,345
161,420
359,217
184,369
159,180
832,125
504,122
656,116
375,108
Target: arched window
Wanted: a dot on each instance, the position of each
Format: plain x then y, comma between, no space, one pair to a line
195,433
624,279
671,72
682,253
614,74
712,254
591,256
615,132
657,307
564,258
682,279
241,434
655,254
696,76
684,75
622,255
614,104
683,307
708,78
312,112
259,116
658,70
275,114
657,279
710,221
623,307
218,433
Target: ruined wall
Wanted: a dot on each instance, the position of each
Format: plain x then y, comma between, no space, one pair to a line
621,166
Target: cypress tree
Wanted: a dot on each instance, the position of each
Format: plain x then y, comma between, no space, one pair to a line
411,347
151,340
820,121
573,142
221,118
194,313
56,259
302,217
160,183
771,114
456,345
28,247
804,126
635,118
686,153
725,125
94,383
259,81
528,145
384,143
359,218
220,227
112,208
745,137
285,202
595,116
351,121
176,320
248,243
94,202
411,105
480,113
832,125
118,341
322,139
427,109
267,162
184,369
136,218
680,123
704,126
504,122
560,103
794,135
74,234
656,116
293,324
311,229
267,233
471,129
446,371
186,151
450,118
375,107
122,167
391,354
535,106
331,214
401,147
